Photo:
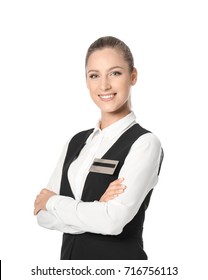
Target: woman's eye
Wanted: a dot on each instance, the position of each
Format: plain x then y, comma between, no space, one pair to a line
93,76
116,73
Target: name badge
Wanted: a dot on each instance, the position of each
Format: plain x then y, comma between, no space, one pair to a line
105,166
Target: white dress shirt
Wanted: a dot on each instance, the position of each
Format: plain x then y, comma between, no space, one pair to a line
139,171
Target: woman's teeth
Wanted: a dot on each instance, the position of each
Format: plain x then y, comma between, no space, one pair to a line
107,96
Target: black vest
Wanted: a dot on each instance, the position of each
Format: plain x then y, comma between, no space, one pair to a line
90,246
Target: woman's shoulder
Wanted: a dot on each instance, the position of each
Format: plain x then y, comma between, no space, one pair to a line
148,139
80,136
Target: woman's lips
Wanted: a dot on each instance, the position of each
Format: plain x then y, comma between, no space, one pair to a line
107,97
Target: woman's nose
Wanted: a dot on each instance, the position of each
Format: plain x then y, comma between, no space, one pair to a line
105,84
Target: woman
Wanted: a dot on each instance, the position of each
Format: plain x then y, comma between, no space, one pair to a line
102,184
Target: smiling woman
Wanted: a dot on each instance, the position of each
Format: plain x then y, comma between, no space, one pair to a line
110,74
98,194
109,80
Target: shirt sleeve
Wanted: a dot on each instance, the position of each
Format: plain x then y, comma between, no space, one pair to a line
140,171
47,219
55,179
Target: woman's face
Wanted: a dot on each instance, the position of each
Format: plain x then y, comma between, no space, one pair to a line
109,80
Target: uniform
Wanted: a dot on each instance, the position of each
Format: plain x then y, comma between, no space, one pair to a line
92,243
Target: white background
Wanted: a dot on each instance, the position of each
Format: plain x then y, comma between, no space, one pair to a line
44,101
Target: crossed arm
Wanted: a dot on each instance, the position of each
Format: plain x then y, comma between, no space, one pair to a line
114,189
117,206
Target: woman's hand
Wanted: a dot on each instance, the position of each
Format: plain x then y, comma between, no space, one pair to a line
41,200
114,189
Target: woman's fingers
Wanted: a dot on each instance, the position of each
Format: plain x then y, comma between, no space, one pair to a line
41,200
115,188
116,182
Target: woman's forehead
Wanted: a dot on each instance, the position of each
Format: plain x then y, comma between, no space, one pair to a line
106,56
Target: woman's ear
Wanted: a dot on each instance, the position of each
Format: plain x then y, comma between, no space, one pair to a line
134,77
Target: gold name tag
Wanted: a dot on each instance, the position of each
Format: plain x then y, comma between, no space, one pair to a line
105,166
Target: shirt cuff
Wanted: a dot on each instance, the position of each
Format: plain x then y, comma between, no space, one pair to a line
51,202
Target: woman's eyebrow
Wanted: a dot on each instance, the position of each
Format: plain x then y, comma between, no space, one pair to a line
116,67
111,68
92,70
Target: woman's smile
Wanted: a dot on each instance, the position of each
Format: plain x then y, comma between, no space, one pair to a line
107,97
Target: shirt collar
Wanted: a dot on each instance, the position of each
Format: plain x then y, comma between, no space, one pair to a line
116,128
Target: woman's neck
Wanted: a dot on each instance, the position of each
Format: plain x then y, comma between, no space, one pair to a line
110,118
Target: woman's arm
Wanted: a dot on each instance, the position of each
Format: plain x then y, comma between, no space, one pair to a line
140,172
114,189
46,218
50,221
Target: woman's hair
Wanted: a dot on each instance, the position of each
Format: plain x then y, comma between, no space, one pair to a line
114,43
